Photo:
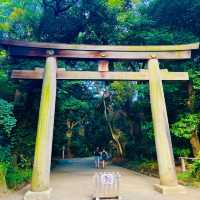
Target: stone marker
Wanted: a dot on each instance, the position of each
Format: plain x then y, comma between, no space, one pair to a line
106,185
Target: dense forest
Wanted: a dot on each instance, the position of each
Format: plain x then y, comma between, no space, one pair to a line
111,114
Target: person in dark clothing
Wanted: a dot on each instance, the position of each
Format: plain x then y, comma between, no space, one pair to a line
97,155
104,157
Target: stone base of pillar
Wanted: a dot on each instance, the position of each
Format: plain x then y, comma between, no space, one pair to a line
169,189
44,195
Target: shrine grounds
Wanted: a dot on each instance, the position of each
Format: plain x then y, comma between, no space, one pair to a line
72,180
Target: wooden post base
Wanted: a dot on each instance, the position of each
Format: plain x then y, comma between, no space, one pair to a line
169,189
44,195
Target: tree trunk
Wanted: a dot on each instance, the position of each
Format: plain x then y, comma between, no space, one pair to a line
114,137
17,96
69,138
194,141
69,154
191,100
131,125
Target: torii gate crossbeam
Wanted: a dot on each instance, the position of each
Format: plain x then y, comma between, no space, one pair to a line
155,76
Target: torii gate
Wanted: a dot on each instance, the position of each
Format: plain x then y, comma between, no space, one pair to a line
40,189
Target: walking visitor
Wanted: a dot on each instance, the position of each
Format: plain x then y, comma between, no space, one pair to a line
104,158
97,155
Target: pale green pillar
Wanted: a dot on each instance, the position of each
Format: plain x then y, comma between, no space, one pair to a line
164,150
43,146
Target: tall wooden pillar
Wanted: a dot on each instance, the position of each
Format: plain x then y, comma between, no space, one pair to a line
43,146
164,151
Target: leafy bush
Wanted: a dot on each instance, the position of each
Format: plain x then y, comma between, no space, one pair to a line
187,179
186,126
25,162
150,165
149,168
5,155
185,152
79,147
7,120
3,170
196,169
4,162
16,177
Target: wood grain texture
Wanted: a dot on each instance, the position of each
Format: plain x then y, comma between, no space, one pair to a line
127,48
164,151
97,54
103,66
143,75
43,146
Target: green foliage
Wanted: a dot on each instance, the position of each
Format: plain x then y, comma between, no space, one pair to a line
5,155
181,151
7,120
25,162
186,178
3,171
74,104
15,177
147,128
183,15
196,169
79,146
148,167
123,91
2,54
18,18
186,126
80,21
115,3
149,164
195,76
7,88
77,108
192,176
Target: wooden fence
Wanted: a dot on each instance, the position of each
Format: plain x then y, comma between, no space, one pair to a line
183,163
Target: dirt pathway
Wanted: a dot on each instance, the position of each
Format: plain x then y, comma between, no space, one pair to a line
72,180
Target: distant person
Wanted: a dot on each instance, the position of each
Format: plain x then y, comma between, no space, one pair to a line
104,158
97,155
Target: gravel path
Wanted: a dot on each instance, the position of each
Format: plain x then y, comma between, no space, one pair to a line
72,180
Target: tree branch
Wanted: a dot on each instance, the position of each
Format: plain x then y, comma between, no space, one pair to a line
111,129
57,7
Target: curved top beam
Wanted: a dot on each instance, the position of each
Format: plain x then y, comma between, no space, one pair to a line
120,48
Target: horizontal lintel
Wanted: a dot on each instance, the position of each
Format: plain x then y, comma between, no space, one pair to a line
89,75
96,55
126,48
